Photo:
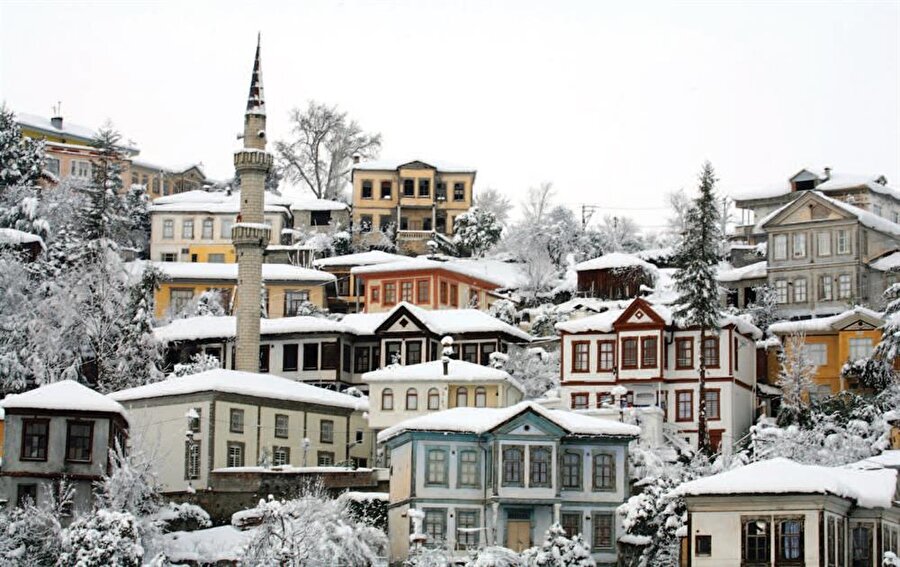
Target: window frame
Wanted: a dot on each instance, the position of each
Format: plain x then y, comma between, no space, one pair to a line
690,399
801,284
779,522
480,392
823,237
766,540
577,467
168,229
579,396
444,480
90,440
718,403
718,352
45,444
821,289
186,224
505,470
326,431
595,543
626,341
598,477
310,363
565,524
236,425
475,514
287,348
433,394
239,446
654,363
779,247
460,482
440,513
798,245
708,540
423,292
842,279
544,477
581,361
679,343
387,395
610,354
461,390
282,431
781,292
842,244
412,399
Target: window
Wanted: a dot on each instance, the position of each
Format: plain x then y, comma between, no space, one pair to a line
606,355
390,293
424,187
755,542
817,353
187,229
412,400
319,218
225,228
713,405
393,352
790,541
281,425
629,353
310,356
329,356
325,458
486,350
603,531
468,469
413,352
409,188
684,405
459,191
648,352
604,471
423,292
406,291
326,431
823,243
799,245
367,189
779,245
436,467
365,223
684,353
480,397
281,456
513,460
35,433
470,352
386,188
263,358
843,242
26,494
435,526
781,291
581,351
168,229
235,454
169,257
861,546
81,169
571,473
79,439
571,523
703,545
580,401
876,209
191,460
387,399
376,293
361,359
711,352
844,286
454,295
52,165
434,399
179,298
831,541
539,466
206,231
194,421
293,302
467,529
289,357
800,290
462,397
444,292
825,292
860,348
215,258
236,421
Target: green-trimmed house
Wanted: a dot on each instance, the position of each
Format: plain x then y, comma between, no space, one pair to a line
502,476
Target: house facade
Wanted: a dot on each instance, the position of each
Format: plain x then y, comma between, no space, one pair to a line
640,348
615,276
312,216
413,200
349,294
221,419
477,476
61,431
779,512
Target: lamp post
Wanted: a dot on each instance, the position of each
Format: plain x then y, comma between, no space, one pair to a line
191,416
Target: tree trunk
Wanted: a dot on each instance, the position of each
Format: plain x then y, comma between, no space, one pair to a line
702,430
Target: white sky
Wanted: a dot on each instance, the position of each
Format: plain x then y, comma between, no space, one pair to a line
615,103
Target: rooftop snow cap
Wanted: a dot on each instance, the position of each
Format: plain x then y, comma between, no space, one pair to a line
256,102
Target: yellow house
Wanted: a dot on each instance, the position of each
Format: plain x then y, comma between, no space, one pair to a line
163,180
417,199
831,342
287,287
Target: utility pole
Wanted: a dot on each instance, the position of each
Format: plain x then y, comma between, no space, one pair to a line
587,213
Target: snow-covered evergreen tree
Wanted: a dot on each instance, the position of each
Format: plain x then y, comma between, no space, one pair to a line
103,214
559,550
200,362
698,256
795,378
476,231
765,309
536,369
505,310
21,158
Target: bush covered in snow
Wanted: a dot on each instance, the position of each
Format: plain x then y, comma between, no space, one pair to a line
495,557
559,550
101,539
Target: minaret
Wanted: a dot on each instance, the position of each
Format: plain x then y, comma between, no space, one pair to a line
250,235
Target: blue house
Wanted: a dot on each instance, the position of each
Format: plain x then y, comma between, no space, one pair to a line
476,477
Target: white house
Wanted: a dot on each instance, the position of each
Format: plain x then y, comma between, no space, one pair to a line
642,348
503,476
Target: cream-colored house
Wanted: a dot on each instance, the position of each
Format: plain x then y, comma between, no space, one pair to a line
779,512
403,392
220,419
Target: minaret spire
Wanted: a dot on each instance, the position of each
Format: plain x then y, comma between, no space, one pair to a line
256,101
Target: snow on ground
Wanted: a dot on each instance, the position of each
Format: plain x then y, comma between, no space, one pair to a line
208,546
63,395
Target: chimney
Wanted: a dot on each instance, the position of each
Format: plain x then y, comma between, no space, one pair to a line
356,157
57,120
446,361
827,173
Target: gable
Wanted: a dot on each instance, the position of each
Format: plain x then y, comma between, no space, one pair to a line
806,209
857,324
639,314
529,424
402,321
416,165
804,175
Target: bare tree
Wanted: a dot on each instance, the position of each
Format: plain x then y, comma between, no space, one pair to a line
320,155
680,202
494,201
538,202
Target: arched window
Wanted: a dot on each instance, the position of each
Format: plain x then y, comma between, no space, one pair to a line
462,397
434,399
412,399
387,399
480,397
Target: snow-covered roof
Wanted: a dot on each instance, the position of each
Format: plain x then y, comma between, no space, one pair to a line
867,488
318,205
217,271
70,130
457,371
832,181
501,274
458,321
615,260
65,395
483,420
393,165
866,218
750,272
13,236
887,263
176,168
825,324
212,327
245,384
889,458
198,201
768,389
369,258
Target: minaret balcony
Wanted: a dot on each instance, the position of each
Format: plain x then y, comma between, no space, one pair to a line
251,159
251,234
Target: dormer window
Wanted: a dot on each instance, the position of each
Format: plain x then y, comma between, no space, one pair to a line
805,185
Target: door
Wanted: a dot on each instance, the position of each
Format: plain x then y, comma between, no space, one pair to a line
518,534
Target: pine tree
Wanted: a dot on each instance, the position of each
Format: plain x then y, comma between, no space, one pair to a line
21,159
102,215
698,256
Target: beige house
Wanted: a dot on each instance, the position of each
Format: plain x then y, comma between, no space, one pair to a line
416,199
161,180
225,419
